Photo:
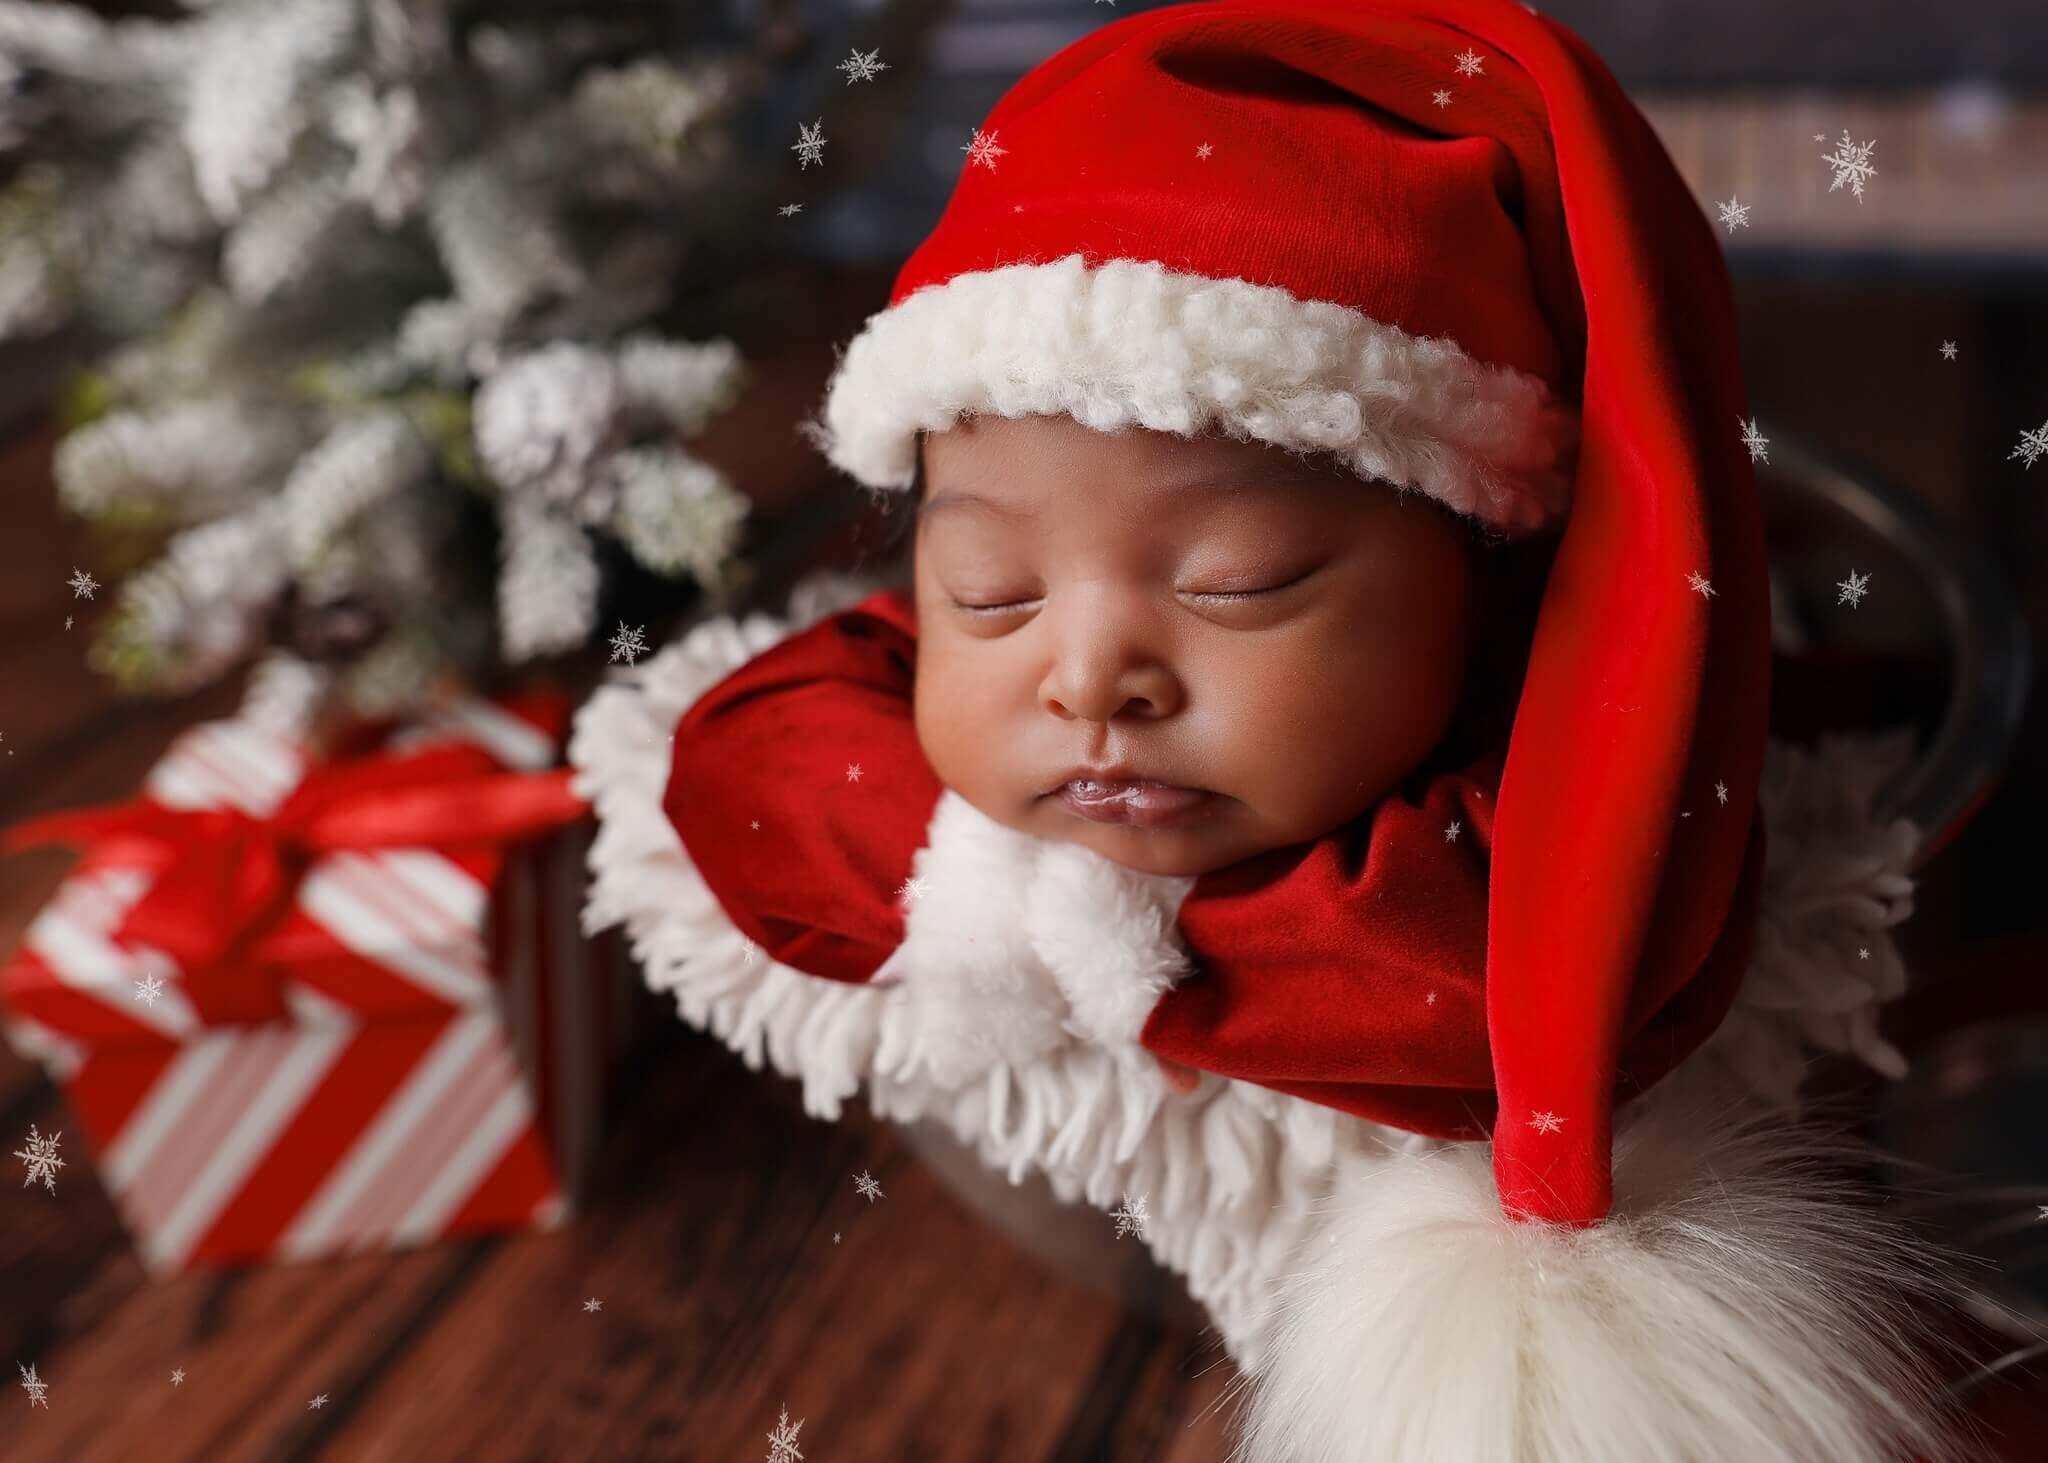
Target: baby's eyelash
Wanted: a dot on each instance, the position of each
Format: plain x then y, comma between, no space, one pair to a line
1222,594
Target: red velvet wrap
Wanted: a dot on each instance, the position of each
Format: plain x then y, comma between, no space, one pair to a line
1350,971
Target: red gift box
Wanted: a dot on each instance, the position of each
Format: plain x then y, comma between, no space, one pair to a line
311,1002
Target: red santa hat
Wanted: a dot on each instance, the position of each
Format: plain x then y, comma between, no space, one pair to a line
1434,239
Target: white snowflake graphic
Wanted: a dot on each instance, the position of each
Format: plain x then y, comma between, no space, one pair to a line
178,1377
1862,952
1757,443
913,888
2033,445
1851,162
983,150
593,1304
789,209
863,68
317,1403
1470,62
1204,150
41,1158
810,144
1546,1122
782,1442
630,644
1432,999
1130,1218
1948,350
82,584
1699,585
869,1189
1721,791
35,1386
2044,1211
1441,97
853,772
1853,588
148,989
1451,833
1735,215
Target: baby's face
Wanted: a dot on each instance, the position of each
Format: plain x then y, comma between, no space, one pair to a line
1215,614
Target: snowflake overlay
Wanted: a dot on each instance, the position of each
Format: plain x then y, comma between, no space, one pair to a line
810,144
35,1386
2033,445
863,68
1853,588
782,1442
629,644
41,1158
1130,1218
983,150
1735,215
870,1190
1851,162
82,584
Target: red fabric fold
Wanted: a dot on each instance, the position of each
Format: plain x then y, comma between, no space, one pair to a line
800,792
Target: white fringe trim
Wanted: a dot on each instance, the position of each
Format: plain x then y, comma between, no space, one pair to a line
1232,1173
1743,1300
1130,342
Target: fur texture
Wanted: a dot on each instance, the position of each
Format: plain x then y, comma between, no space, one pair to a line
1240,1179
1739,1303
1132,343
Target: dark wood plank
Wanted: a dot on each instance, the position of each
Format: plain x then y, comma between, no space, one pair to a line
710,1244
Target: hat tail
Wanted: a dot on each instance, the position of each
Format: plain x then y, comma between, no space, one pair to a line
1738,1302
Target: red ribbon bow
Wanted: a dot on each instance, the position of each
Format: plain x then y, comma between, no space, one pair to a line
226,875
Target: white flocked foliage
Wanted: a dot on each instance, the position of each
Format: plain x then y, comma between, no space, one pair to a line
333,244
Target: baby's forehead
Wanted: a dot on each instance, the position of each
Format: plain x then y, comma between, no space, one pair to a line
1154,459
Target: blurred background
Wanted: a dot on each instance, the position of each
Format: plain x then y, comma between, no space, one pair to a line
352,351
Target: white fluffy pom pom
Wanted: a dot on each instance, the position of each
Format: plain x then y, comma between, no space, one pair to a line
1738,1303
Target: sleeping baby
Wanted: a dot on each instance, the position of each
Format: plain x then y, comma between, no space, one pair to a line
1311,777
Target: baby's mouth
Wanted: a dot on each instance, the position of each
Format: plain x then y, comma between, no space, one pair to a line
1145,804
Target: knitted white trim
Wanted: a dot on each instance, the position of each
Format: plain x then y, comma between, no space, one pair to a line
1234,1173
1129,342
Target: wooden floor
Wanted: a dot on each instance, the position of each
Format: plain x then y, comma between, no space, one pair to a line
738,1270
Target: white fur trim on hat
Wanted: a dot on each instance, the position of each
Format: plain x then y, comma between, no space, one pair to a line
1130,342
